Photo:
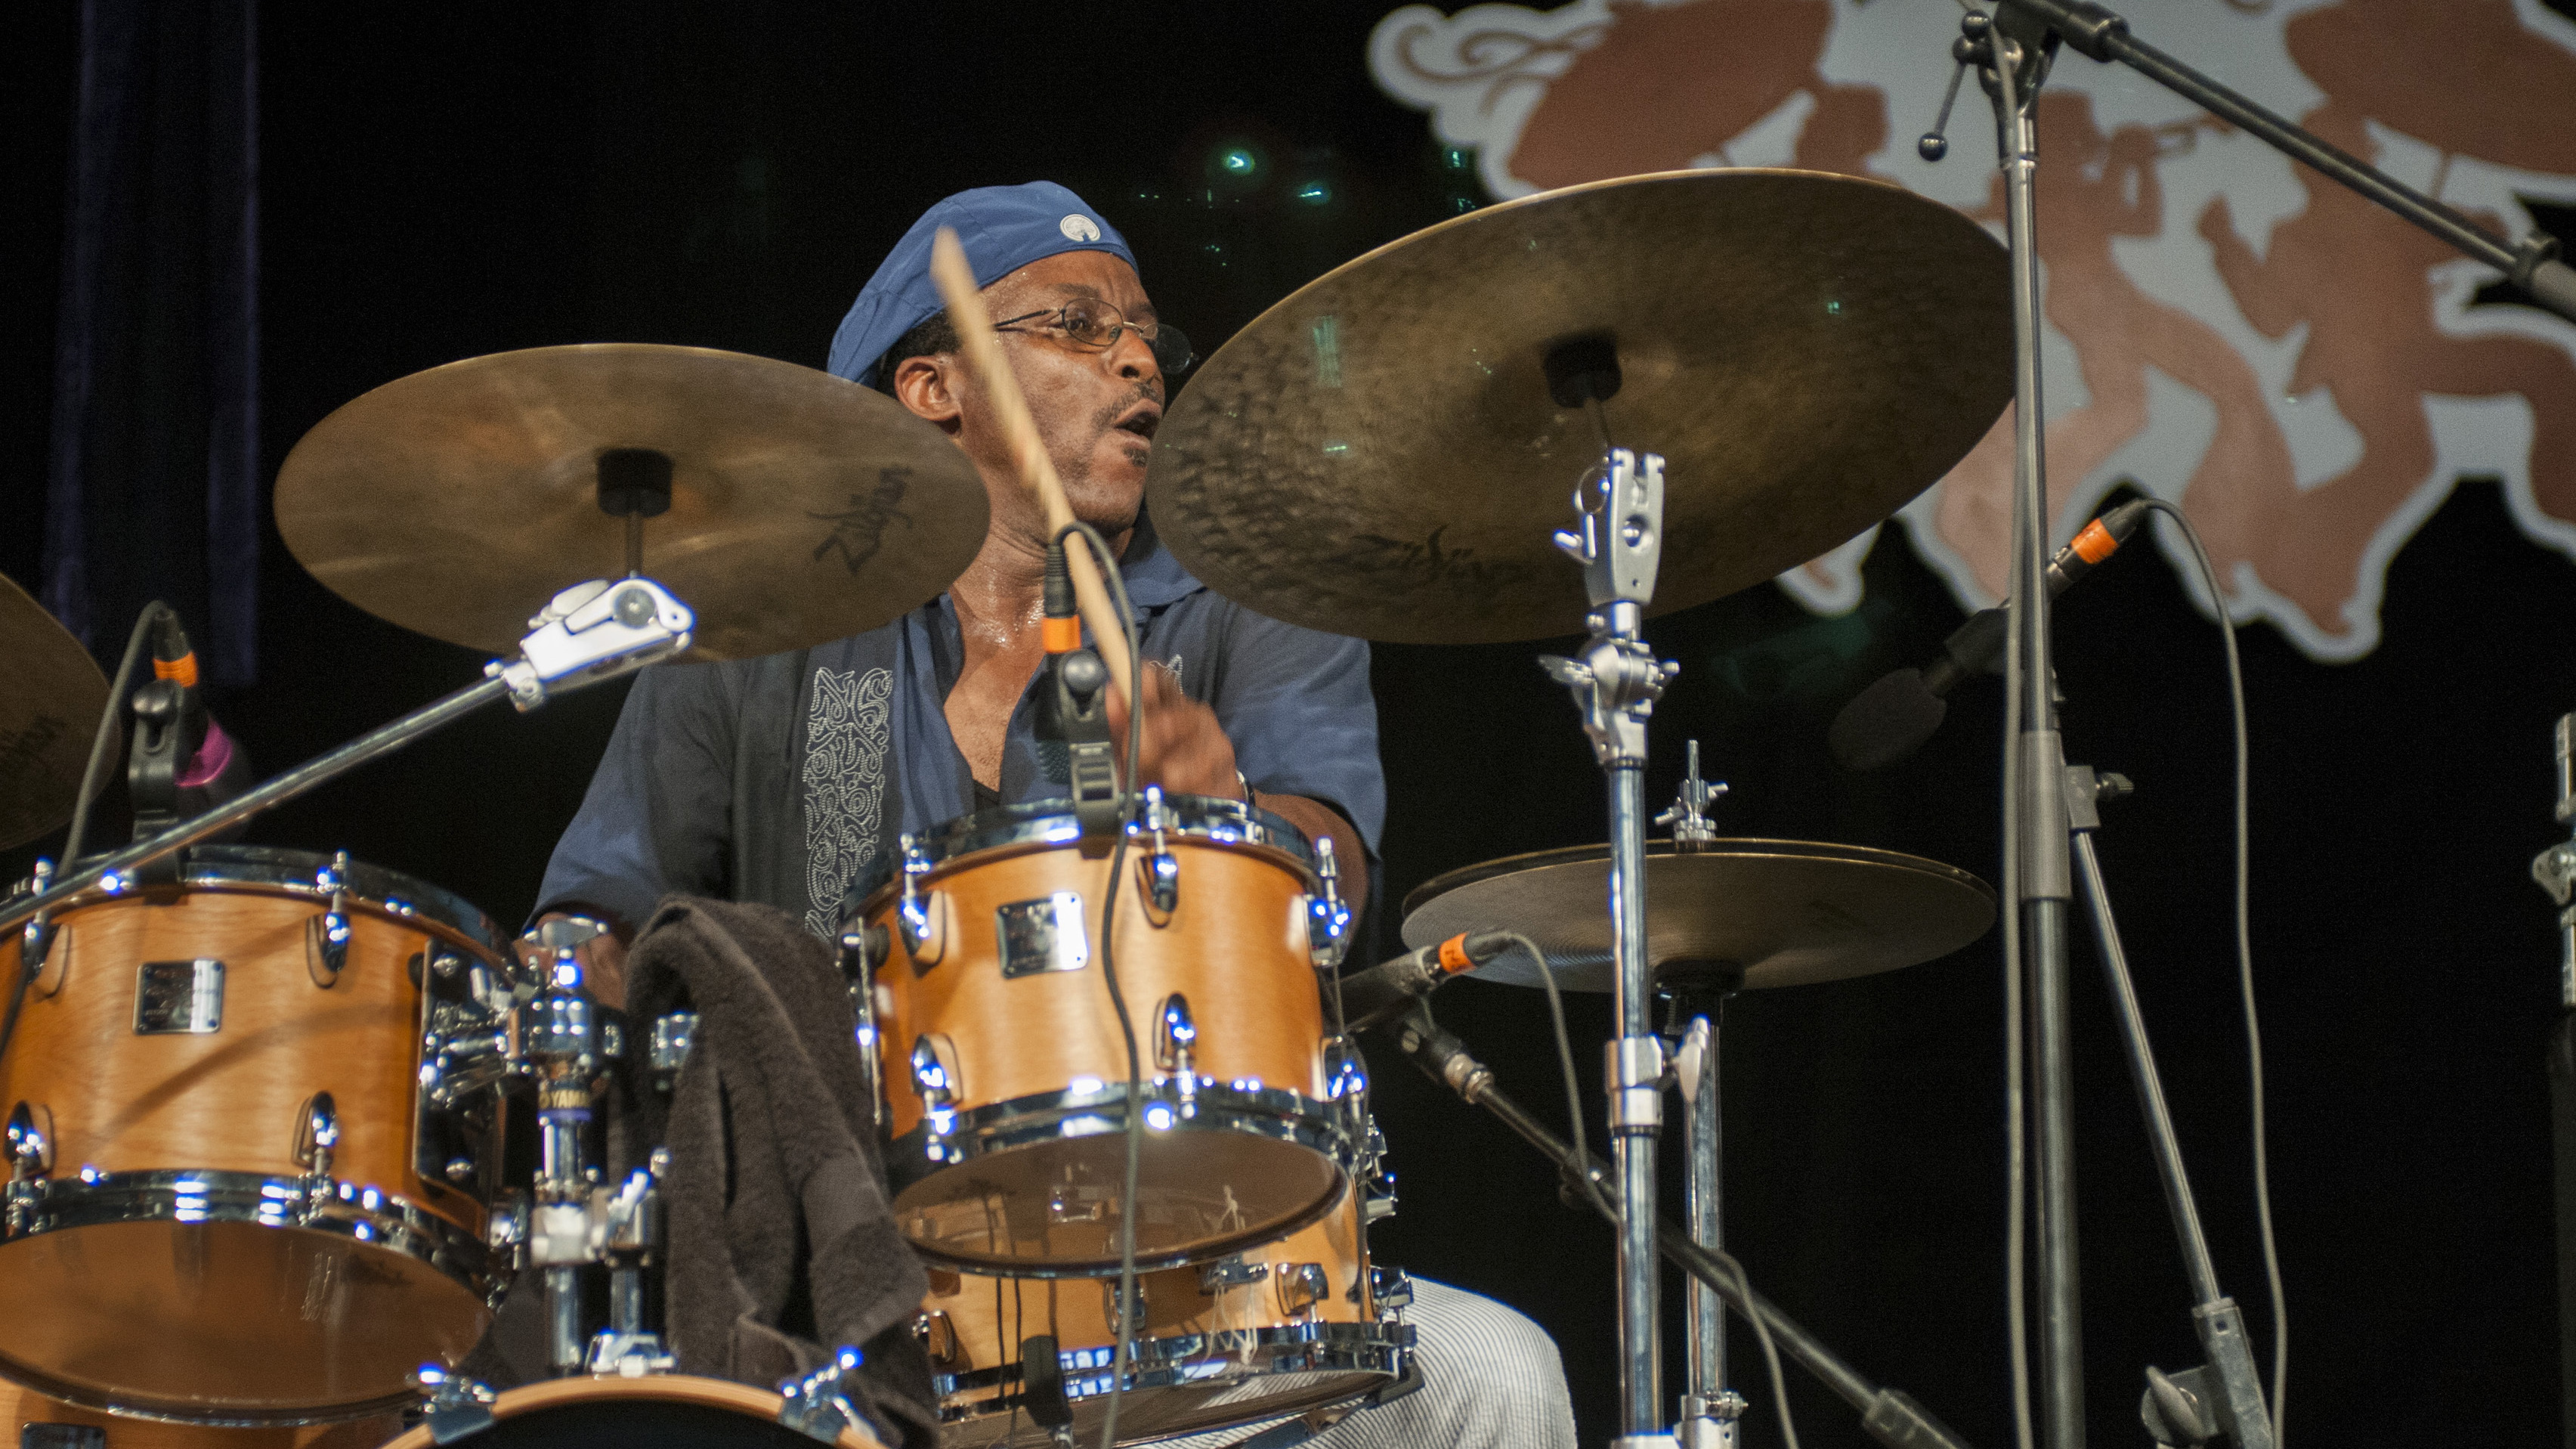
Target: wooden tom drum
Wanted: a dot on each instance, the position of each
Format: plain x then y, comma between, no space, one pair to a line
1002,1069
1284,1328
623,1413
243,1191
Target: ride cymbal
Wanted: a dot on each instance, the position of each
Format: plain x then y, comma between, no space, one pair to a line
1380,454
1774,912
795,507
48,717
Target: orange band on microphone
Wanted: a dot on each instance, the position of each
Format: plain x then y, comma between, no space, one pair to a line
182,669
1060,636
2095,543
1453,954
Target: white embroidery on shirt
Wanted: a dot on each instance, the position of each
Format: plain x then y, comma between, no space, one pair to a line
845,778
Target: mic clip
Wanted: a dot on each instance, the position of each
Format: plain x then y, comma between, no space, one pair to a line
1081,711
169,727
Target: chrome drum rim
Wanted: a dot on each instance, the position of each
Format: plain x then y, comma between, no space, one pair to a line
1197,1360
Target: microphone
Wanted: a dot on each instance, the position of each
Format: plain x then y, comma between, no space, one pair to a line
1388,989
1894,716
183,763
1072,726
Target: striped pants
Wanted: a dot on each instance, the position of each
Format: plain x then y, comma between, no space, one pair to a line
1491,1380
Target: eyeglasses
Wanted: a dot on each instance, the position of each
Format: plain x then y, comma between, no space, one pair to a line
1095,326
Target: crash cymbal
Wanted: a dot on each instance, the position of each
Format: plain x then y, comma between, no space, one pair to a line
48,717
1380,454
1782,912
801,508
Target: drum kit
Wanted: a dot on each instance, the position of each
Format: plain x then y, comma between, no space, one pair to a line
260,1101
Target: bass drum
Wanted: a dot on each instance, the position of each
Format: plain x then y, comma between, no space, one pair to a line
619,1413
243,1190
31,1421
1292,1326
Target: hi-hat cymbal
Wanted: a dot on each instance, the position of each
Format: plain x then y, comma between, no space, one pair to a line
802,507
1380,454
1779,912
48,717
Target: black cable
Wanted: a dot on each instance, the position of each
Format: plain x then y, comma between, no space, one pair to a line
1128,794
153,613
2245,963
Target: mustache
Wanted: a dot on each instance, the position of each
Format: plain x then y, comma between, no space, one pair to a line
1108,417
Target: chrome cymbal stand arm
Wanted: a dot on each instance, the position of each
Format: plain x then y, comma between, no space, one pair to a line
2225,1397
1615,683
590,632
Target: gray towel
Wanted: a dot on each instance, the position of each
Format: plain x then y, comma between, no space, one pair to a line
782,1246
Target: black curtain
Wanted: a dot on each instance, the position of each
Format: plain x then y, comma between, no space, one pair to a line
153,484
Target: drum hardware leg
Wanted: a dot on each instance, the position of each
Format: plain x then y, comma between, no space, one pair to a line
457,1406
589,633
2228,1393
326,936
630,1236
816,1406
562,1044
1709,1409
1891,1416
1328,916
1615,682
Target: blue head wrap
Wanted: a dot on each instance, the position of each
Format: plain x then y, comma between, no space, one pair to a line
1003,229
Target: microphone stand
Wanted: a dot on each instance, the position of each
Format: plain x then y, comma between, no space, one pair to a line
1891,1416
2037,871
2531,264
588,633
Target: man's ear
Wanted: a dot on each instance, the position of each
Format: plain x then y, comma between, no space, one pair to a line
925,385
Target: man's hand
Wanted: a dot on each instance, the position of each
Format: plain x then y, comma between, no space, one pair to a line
1184,749
602,958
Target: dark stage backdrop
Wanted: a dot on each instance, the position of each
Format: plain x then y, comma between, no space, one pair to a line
446,181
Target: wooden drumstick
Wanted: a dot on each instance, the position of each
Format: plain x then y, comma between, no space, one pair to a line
983,349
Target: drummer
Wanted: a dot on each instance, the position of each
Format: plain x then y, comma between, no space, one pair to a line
787,778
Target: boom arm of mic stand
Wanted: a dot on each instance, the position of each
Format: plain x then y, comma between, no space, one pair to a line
1890,1415
591,632
2097,33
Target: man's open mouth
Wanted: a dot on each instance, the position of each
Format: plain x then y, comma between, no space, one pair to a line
1141,420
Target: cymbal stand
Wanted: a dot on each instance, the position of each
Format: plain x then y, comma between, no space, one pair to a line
2223,1397
1891,1416
561,1043
1710,1410
589,632
1615,682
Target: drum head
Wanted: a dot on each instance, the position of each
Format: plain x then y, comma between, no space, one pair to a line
662,1411
1051,1207
227,1322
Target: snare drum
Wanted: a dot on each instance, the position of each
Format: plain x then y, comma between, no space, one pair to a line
243,1191
623,1413
1003,1070
1277,1330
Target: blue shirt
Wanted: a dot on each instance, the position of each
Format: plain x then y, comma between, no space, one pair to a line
786,778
